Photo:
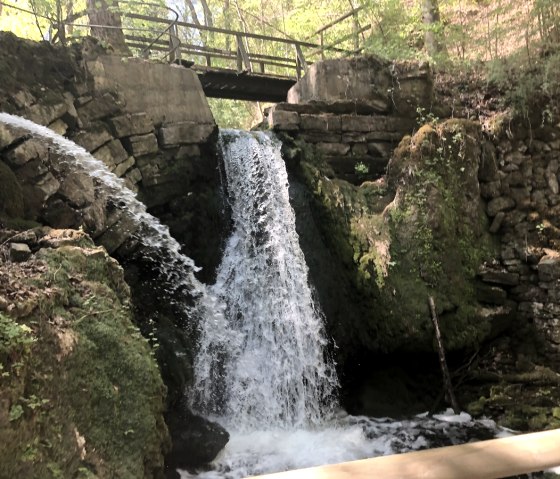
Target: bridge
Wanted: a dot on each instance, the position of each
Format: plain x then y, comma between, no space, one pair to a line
231,64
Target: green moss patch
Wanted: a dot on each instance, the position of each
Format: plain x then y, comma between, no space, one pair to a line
80,395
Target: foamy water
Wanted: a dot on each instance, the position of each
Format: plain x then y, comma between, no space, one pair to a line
346,438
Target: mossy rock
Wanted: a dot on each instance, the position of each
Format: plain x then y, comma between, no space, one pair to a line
423,233
80,392
11,195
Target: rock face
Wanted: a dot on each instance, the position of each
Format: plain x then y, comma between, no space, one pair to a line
80,391
395,243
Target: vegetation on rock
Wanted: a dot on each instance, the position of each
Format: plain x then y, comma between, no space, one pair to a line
81,393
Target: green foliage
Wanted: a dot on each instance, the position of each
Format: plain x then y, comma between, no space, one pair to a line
16,411
397,31
15,339
234,113
361,168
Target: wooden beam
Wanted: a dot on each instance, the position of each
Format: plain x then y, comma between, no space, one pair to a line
492,459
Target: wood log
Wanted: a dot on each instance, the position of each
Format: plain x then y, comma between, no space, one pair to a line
442,362
492,459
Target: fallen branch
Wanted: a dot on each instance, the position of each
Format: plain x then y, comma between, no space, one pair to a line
442,361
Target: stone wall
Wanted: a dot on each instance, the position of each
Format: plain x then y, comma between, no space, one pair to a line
355,112
519,181
149,123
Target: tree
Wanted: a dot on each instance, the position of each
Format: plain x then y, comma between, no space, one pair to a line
106,24
431,19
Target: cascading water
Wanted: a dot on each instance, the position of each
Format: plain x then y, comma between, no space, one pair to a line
175,268
265,364
261,369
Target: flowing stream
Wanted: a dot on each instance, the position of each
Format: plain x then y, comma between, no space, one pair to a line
262,368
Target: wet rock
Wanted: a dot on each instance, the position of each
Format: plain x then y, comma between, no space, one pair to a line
122,168
94,137
196,441
9,135
19,252
111,154
78,189
28,150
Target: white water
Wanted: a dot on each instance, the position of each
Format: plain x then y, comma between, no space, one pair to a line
261,370
265,363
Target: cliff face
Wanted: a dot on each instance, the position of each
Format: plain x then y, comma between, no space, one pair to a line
81,394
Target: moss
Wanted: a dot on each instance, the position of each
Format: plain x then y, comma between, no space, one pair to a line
89,390
420,234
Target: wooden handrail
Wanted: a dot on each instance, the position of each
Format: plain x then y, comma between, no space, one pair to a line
494,459
338,20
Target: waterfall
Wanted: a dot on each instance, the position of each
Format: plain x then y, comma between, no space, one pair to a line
261,368
264,363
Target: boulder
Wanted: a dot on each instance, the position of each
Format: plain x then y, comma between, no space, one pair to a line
196,441
19,252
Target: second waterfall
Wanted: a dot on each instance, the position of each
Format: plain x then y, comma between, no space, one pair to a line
263,363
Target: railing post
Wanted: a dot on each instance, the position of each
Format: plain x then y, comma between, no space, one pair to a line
301,64
174,44
242,55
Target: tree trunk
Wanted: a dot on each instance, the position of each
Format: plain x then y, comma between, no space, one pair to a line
431,19
106,14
